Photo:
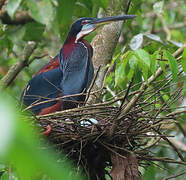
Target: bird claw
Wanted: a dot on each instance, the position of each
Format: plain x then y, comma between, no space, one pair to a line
47,131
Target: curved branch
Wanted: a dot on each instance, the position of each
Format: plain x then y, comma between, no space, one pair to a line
16,68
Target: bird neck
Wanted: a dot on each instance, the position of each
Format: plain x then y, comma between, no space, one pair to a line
68,46
70,43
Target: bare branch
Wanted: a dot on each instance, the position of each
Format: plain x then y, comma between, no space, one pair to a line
176,175
180,145
164,159
171,144
174,26
165,27
176,112
16,68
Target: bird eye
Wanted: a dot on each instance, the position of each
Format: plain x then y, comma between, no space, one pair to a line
83,22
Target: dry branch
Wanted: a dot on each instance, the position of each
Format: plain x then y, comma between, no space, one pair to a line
176,112
175,176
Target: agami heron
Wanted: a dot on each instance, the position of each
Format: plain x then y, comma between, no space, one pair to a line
69,73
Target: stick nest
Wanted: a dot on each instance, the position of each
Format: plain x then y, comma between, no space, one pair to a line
89,134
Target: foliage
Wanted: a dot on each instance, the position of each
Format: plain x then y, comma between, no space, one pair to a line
145,46
21,148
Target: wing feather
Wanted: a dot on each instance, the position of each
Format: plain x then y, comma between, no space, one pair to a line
77,71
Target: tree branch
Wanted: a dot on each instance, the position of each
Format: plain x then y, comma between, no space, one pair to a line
174,26
21,18
2,2
165,27
16,68
174,176
176,112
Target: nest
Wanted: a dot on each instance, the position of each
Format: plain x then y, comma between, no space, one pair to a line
91,133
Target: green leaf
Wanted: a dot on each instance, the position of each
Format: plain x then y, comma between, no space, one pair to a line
101,3
154,37
41,10
183,61
130,75
5,176
143,56
12,6
143,61
140,19
6,44
153,65
136,41
113,61
22,146
173,64
104,3
2,167
16,34
64,16
124,73
162,65
133,62
149,173
144,70
120,73
33,31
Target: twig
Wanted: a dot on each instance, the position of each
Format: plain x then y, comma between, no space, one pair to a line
16,68
152,144
115,123
179,144
37,57
36,103
174,26
165,27
174,176
113,94
92,84
176,112
128,6
171,144
163,159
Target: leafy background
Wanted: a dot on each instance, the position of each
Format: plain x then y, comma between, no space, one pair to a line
142,42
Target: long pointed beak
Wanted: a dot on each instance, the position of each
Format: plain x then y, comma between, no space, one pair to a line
96,22
101,21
